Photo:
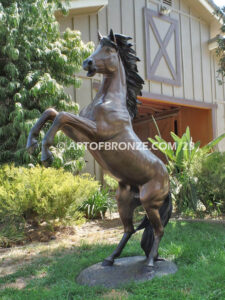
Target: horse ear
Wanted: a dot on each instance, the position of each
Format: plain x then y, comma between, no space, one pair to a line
111,36
99,36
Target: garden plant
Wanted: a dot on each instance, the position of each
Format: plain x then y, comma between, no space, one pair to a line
36,63
220,12
32,196
187,164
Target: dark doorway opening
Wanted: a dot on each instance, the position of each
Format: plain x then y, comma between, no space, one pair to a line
172,117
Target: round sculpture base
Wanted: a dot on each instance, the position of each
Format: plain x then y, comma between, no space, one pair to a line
124,270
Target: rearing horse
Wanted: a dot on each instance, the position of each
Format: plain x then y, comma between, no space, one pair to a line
143,178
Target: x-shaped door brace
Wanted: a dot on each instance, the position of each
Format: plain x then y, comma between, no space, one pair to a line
162,52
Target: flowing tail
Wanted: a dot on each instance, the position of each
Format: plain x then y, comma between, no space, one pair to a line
148,234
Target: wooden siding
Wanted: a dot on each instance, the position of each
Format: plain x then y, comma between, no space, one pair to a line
127,17
198,65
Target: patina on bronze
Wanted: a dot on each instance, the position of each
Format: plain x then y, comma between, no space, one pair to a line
143,178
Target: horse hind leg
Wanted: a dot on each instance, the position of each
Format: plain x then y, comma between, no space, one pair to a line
154,217
152,197
127,201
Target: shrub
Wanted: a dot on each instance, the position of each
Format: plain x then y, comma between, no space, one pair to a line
12,231
30,196
211,182
39,194
220,51
67,154
36,63
97,204
110,183
182,163
184,193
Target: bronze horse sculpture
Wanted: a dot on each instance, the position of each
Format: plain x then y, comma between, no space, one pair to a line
143,178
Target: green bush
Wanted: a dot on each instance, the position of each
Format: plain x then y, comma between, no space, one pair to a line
31,196
110,183
183,161
67,154
211,182
12,231
97,204
36,63
39,194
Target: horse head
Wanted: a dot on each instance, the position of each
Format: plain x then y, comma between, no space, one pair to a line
105,59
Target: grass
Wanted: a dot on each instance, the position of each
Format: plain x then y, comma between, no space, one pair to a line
197,248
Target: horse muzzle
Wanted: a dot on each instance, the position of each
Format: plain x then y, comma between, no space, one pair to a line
88,65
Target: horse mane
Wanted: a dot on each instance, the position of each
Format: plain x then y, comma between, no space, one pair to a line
134,81
129,59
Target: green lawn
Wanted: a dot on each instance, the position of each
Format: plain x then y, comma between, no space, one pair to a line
197,248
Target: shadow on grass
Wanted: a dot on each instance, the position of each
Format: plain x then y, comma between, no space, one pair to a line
197,248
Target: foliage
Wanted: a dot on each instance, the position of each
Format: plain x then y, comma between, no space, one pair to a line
110,183
183,154
35,63
196,247
12,231
220,12
67,154
34,195
97,204
183,160
211,182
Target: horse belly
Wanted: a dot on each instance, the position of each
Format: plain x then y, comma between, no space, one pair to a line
136,167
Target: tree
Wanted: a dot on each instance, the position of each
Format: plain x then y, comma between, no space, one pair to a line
35,63
221,45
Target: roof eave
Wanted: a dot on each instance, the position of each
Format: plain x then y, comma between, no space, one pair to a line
84,7
211,7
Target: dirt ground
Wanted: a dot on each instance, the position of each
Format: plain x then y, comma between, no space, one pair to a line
12,259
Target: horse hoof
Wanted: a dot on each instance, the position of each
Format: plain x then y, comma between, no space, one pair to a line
32,146
48,161
159,259
149,263
107,263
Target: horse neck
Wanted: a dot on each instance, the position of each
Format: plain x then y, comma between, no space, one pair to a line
114,87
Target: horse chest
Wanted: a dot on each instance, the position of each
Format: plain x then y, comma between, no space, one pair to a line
108,120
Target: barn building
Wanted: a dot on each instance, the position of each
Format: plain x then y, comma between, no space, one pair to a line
176,42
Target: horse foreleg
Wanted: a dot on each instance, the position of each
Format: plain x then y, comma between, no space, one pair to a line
48,115
67,122
126,202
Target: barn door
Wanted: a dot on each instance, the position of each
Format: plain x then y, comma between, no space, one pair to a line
162,48
146,128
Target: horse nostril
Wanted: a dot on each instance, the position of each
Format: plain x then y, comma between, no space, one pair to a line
90,62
